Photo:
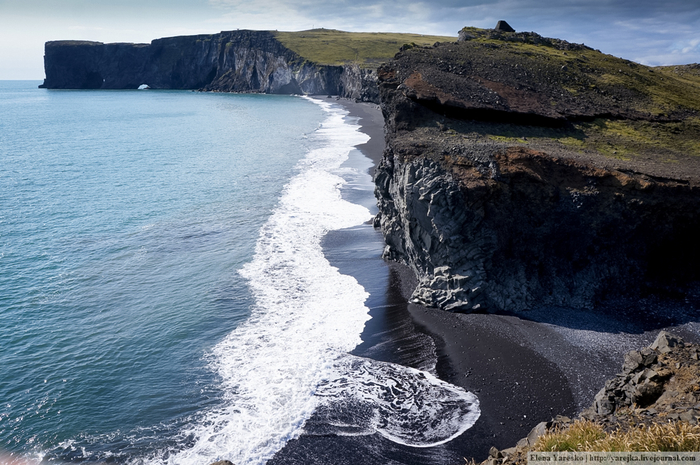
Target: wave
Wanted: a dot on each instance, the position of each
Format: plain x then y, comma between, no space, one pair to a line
287,370
306,314
290,360
405,405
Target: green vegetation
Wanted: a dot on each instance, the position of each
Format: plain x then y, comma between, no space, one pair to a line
367,49
581,71
614,138
586,71
73,43
621,139
584,435
624,138
499,138
640,110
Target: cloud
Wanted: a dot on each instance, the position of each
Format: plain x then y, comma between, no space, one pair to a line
689,46
529,13
647,31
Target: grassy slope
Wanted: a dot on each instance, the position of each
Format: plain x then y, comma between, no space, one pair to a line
587,436
662,89
587,73
368,49
579,73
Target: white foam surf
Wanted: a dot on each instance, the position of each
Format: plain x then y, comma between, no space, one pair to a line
405,405
290,358
306,315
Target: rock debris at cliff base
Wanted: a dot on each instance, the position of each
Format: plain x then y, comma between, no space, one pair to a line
657,390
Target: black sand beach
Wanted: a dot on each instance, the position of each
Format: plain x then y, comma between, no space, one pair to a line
524,368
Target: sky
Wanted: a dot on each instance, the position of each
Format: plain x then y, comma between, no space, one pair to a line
651,32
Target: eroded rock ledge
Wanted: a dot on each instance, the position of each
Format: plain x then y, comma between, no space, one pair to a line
502,187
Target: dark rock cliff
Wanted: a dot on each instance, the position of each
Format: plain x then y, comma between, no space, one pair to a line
235,61
500,185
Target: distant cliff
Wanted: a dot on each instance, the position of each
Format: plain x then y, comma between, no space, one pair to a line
524,171
236,61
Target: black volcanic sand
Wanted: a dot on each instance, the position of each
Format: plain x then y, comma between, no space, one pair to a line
524,368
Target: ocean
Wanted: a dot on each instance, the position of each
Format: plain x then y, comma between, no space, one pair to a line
188,277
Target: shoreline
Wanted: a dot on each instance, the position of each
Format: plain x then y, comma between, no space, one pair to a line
416,336
524,368
477,359
371,122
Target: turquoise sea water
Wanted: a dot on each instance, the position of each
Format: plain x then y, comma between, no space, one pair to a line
124,217
164,297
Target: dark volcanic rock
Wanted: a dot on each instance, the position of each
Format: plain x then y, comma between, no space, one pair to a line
661,378
493,213
501,79
656,386
504,26
235,61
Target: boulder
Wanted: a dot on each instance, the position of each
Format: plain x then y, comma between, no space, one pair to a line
537,431
504,27
664,342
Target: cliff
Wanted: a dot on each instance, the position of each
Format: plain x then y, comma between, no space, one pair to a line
310,62
524,171
238,61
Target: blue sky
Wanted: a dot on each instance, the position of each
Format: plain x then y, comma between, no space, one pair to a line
654,32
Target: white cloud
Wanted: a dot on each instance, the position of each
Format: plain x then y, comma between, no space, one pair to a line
692,46
647,31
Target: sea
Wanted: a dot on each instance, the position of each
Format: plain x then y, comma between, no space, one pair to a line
188,277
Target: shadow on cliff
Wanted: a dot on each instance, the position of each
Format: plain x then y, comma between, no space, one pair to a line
647,313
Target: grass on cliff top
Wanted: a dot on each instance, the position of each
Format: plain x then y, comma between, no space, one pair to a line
367,49
73,43
583,74
584,435
624,139
617,139
653,90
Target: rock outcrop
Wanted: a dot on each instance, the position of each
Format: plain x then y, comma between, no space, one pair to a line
657,385
504,26
519,172
661,378
235,61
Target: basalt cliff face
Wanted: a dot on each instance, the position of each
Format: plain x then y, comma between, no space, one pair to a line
524,171
235,61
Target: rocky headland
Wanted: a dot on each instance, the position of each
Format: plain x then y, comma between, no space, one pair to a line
236,61
522,171
519,170
315,62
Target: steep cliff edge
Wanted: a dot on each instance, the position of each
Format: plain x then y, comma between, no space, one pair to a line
237,61
308,62
524,171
